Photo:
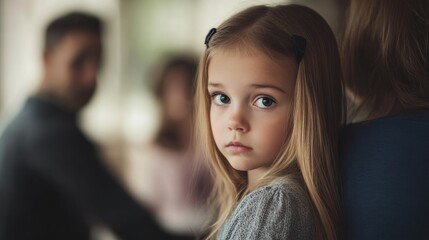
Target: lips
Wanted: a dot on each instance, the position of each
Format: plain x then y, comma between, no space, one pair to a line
235,147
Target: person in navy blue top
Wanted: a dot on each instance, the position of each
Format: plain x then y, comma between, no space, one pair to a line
385,169
52,183
385,151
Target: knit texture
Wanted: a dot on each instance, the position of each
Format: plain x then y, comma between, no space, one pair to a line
281,210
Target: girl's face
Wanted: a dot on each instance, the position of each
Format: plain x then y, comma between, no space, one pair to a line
251,97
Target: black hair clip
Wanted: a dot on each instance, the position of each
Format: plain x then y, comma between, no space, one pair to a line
300,44
209,36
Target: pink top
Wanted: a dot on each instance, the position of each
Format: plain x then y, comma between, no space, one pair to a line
162,180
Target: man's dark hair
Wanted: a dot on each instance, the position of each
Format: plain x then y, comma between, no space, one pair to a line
74,21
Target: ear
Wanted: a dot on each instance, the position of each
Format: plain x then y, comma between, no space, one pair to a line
46,58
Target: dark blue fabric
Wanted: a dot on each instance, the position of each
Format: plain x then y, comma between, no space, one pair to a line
385,177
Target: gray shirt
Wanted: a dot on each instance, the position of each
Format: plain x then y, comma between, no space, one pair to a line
281,210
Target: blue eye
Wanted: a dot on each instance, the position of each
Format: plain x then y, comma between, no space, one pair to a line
221,99
264,102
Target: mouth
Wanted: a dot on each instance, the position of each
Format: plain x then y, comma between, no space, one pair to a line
237,147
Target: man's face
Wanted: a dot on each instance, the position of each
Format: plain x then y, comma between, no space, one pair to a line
72,67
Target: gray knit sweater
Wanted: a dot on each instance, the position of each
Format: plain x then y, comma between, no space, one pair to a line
281,210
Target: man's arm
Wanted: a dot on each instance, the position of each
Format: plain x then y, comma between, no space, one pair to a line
68,160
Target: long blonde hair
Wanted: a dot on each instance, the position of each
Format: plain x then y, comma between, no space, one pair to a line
385,57
312,146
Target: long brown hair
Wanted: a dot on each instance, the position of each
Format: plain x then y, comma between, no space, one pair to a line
385,56
168,135
312,148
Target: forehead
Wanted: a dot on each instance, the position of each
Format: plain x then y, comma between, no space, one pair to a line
240,68
79,40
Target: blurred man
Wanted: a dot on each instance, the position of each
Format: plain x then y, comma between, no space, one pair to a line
52,184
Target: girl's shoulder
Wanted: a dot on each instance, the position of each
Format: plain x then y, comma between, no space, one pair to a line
280,210
282,186
281,194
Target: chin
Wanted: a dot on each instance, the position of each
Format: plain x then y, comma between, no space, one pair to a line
239,164
83,100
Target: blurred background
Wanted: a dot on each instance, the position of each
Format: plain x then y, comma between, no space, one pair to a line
140,36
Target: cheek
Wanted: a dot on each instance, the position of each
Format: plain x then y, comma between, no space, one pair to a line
66,70
216,123
75,74
272,134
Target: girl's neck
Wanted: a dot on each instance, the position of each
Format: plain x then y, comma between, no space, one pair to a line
253,177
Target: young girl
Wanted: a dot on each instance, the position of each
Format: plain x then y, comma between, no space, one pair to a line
269,108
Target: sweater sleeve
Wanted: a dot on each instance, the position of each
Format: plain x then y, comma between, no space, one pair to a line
272,212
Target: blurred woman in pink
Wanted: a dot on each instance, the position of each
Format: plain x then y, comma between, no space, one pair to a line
162,174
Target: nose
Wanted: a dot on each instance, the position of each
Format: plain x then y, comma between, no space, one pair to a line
238,121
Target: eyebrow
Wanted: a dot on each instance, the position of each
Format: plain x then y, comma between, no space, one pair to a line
269,86
253,85
215,85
